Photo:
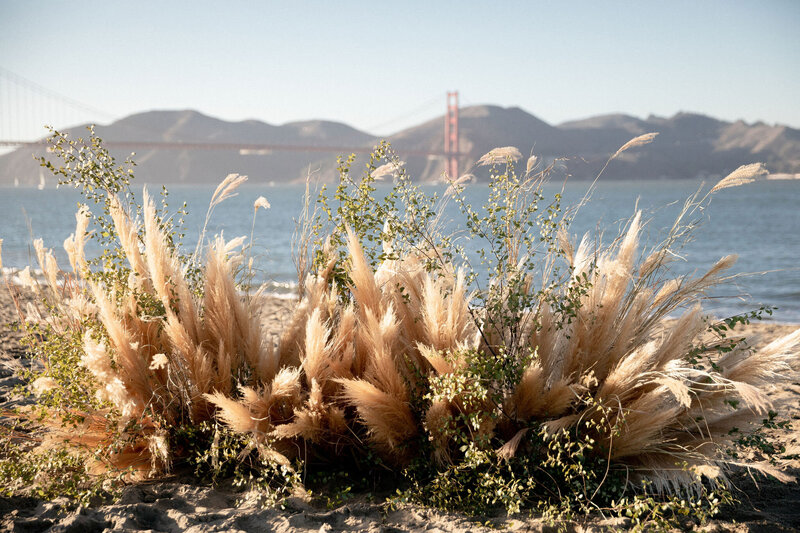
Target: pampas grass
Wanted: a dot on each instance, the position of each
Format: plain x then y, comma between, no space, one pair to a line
741,176
156,370
624,355
406,360
621,358
641,140
226,189
500,155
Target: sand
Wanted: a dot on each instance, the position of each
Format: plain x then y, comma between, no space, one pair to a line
175,505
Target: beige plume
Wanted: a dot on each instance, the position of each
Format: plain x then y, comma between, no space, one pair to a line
261,203
226,189
641,140
387,169
500,155
742,175
532,161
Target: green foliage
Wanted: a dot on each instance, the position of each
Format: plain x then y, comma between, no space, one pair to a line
563,476
480,484
703,355
402,214
762,440
49,473
517,229
62,351
216,454
86,165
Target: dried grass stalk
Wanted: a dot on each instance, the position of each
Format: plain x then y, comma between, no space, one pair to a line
741,176
499,156
640,140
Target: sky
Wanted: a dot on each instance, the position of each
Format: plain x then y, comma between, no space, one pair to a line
383,66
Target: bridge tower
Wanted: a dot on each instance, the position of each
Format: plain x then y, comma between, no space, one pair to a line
451,136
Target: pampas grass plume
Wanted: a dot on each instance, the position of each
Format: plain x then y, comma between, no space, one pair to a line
387,169
500,155
532,161
742,175
159,361
43,384
226,189
641,140
454,184
261,203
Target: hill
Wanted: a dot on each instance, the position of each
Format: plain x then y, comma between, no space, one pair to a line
689,145
202,166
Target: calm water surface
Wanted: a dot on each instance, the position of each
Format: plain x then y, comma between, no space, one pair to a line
760,222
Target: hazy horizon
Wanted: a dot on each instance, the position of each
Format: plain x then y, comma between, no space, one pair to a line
422,120
379,68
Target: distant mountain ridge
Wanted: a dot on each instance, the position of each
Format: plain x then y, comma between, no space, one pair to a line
688,146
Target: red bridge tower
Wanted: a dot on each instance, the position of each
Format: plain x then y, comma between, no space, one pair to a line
451,136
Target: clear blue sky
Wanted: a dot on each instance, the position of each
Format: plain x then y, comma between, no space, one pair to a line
381,66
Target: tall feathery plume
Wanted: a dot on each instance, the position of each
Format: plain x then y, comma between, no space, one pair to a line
741,176
261,203
365,289
532,162
49,266
82,219
499,156
316,353
112,388
132,367
128,234
641,140
165,272
226,189
456,183
220,330
387,169
633,143
388,418
69,247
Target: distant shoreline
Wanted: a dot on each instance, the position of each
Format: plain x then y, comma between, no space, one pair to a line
783,176
152,185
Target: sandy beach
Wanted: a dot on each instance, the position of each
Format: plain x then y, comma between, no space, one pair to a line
176,504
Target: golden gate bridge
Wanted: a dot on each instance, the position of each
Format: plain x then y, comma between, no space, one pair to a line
26,106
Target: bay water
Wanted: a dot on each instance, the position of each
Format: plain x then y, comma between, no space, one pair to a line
760,222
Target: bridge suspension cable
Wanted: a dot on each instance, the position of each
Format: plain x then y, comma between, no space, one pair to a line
26,106
426,107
